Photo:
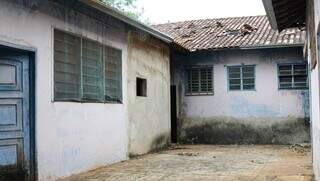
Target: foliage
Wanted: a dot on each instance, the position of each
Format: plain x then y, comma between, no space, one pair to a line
126,6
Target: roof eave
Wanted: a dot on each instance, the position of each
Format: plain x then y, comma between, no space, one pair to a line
273,46
121,16
253,47
268,6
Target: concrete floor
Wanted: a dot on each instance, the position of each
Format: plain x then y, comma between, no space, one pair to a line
204,162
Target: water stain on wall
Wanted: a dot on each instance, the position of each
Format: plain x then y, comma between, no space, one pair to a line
222,130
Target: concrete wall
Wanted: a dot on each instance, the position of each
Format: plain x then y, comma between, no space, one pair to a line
75,137
313,55
149,116
266,115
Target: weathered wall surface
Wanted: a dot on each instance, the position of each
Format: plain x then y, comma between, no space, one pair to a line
149,116
266,115
70,137
315,87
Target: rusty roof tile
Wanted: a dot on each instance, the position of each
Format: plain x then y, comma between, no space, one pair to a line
242,32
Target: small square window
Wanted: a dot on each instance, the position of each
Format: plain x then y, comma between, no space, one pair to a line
141,87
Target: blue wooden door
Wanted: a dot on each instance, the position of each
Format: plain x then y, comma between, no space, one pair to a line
14,115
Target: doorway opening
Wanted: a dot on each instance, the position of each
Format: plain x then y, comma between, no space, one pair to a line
174,129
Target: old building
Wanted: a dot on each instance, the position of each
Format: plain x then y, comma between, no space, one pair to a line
81,86
238,81
303,14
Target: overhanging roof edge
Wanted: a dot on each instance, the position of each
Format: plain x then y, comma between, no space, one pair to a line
121,16
268,6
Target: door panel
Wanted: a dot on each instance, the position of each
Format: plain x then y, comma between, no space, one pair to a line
11,115
14,115
11,153
10,75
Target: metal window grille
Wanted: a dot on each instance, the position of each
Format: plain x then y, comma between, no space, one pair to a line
241,77
199,81
293,76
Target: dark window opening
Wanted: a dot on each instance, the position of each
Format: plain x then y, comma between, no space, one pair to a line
293,76
141,87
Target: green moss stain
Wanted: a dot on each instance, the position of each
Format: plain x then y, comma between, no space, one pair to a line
240,131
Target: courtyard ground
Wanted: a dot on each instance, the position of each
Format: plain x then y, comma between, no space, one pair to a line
208,162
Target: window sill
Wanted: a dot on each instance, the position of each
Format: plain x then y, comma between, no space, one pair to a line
85,102
253,90
292,89
200,94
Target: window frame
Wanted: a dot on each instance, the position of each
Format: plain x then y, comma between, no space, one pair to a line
199,67
292,64
81,98
241,77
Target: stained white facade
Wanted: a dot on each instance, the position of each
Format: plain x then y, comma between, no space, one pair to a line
266,114
75,137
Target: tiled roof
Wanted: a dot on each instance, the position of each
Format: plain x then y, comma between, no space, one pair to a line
237,32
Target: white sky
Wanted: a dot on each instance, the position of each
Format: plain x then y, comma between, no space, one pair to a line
163,11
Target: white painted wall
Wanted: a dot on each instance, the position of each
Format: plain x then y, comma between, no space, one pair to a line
315,108
270,114
149,116
314,89
266,101
70,137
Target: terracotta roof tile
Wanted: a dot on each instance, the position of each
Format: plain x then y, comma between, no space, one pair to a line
236,32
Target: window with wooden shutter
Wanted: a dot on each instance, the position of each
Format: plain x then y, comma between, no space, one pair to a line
293,76
113,74
67,53
241,77
86,70
92,71
200,80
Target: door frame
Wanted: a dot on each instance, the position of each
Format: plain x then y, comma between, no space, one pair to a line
32,104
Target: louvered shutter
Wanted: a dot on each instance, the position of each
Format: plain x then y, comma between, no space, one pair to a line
92,72
199,80
195,81
113,74
248,78
206,80
67,52
293,76
234,75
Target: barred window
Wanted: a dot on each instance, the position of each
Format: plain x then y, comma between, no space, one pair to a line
293,76
241,77
85,70
200,80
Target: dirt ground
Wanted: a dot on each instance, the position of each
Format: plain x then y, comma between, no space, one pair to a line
207,162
